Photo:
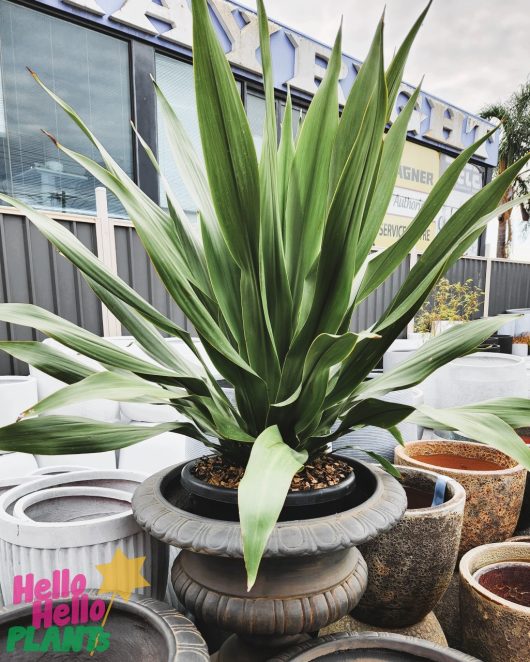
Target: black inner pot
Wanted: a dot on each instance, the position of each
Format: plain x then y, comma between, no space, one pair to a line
212,501
133,636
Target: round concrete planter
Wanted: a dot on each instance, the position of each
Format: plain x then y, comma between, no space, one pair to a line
520,349
16,395
311,574
376,439
428,629
411,566
375,647
400,350
157,453
493,628
474,378
522,324
99,410
493,498
41,531
140,629
13,465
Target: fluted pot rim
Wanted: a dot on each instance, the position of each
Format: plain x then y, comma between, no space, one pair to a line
55,535
479,557
321,535
173,626
400,453
455,503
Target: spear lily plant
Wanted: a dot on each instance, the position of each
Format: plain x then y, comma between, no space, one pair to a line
283,259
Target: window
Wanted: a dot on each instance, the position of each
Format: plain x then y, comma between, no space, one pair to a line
91,72
256,111
175,79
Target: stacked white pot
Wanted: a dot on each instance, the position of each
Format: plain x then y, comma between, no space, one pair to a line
98,410
75,521
521,324
168,448
376,439
16,395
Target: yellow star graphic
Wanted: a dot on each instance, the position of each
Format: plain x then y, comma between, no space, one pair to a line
122,575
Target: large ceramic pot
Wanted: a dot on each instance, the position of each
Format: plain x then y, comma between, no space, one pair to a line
494,485
311,575
475,378
59,521
495,628
374,647
140,629
411,566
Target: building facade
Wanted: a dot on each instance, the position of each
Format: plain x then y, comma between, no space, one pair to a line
99,56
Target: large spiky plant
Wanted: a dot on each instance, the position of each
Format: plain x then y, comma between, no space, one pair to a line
283,260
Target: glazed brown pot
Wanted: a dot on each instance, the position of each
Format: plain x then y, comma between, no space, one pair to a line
493,496
493,628
411,566
311,573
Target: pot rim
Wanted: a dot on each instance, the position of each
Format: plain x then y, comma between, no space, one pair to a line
164,618
17,379
400,453
455,503
327,534
471,563
374,640
294,499
54,535
19,510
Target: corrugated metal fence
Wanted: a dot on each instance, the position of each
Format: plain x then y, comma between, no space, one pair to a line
31,271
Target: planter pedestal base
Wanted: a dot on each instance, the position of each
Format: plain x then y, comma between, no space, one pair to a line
283,607
428,629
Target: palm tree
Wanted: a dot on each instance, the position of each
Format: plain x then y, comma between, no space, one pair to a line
515,141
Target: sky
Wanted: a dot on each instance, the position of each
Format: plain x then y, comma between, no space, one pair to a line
472,52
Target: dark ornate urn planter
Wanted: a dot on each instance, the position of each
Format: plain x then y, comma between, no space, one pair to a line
494,485
311,573
140,629
374,647
411,566
495,628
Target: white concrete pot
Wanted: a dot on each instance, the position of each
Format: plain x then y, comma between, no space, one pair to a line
14,465
43,537
55,469
522,324
154,454
518,349
146,413
16,395
98,410
105,460
440,326
400,350
377,439
507,329
474,378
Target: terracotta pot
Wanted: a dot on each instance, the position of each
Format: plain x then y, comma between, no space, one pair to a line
493,496
311,574
493,628
140,629
411,566
374,647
